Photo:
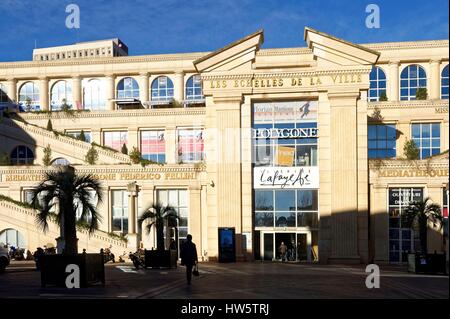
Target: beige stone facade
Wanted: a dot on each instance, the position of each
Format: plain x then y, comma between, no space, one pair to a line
207,158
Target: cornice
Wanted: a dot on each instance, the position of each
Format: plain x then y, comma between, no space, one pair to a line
111,168
441,163
407,104
263,75
198,111
105,60
429,44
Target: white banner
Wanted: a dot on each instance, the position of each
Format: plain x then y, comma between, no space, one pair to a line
286,177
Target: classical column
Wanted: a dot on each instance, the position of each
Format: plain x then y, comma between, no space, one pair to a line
43,93
344,176
179,86
435,80
393,81
133,139
195,217
133,240
228,177
170,137
76,93
144,88
12,89
110,92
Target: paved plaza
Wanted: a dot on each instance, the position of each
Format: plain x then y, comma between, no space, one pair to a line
233,281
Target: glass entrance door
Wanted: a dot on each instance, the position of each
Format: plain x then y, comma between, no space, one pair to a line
298,246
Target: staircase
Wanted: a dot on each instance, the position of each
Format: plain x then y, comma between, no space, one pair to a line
70,147
24,220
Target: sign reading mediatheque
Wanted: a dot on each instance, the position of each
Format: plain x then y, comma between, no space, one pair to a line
107,176
286,177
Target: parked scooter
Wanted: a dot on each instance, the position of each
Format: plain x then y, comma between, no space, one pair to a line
107,255
137,259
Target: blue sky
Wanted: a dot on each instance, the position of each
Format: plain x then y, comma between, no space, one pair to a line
171,26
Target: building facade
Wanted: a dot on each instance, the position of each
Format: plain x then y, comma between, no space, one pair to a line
302,145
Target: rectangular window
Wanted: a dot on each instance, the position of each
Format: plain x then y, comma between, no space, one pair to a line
119,209
153,146
381,140
115,139
286,208
76,134
427,137
445,212
401,239
177,198
190,145
279,140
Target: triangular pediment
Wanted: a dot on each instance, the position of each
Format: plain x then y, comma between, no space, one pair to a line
328,49
239,54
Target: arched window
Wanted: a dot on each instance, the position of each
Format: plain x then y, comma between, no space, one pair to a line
12,237
60,161
412,78
22,155
29,97
3,94
127,88
94,95
61,94
194,88
444,83
377,84
162,89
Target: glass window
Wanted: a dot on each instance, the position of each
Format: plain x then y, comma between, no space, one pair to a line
194,88
297,145
115,139
76,134
401,239
286,208
22,155
177,198
93,200
29,97
94,95
12,237
60,161
190,145
377,84
412,78
119,200
61,94
3,94
382,140
427,137
153,146
162,89
444,83
128,88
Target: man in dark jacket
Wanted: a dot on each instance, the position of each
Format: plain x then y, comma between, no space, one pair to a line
188,256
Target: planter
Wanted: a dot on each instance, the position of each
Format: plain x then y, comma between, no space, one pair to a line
429,263
53,269
161,258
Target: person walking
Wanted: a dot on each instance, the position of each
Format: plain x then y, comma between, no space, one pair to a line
283,250
188,257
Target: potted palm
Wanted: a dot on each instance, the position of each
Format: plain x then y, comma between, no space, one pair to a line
57,198
158,216
417,216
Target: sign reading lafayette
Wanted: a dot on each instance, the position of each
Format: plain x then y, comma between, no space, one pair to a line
283,177
107,176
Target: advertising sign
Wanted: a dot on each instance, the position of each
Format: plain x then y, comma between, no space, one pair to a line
285,156
286,177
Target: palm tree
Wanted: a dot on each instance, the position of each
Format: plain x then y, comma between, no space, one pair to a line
418,213
158,215
65,190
